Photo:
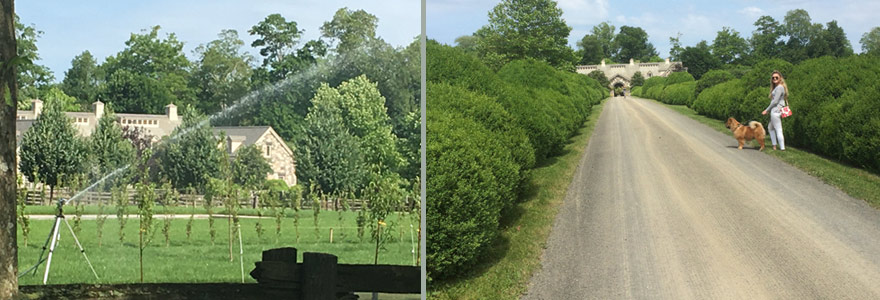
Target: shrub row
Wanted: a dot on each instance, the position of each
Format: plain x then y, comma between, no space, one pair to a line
834,101
485,130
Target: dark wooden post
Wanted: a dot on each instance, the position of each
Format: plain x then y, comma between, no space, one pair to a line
319,276
277,273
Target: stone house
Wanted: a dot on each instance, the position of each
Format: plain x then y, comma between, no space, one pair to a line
276,151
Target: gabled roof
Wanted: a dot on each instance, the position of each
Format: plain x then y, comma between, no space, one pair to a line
250,133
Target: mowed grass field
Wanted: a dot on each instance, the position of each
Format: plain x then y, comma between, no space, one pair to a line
196,259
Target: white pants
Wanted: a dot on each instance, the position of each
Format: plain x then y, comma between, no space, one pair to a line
775,129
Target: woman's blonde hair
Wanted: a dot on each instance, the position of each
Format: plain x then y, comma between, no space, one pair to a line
781,81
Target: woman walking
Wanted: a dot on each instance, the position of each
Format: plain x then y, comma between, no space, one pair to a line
778,98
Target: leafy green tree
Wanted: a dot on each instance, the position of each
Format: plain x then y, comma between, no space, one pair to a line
148,74
801,32
871,41
637,79
67,103
528,29
699,59
277,37
467,43
604,34
676,49
222,73
729,47
194,157
589,50
249,168
600,77
830,41
51,149
108,147
328,153
82,79
765,39
632,43
349,29
365,116
32,78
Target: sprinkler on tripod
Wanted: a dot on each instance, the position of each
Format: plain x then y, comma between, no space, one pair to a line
53,237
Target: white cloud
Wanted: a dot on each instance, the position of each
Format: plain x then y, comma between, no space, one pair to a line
753,12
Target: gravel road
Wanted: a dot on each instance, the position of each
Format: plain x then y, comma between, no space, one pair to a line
662,207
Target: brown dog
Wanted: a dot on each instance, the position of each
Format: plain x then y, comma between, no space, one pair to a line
743,133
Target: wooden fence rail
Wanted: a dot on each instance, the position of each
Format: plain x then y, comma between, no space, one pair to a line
319,276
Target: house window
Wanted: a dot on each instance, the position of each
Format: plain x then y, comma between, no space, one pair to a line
267,150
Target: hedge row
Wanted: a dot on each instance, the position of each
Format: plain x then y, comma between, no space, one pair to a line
485,130
835,103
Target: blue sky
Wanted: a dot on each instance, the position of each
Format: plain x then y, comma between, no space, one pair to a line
103,26
695,20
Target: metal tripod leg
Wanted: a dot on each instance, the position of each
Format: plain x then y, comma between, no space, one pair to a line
52,248
81,250
42,252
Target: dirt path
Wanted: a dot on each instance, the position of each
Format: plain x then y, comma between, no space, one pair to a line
663,207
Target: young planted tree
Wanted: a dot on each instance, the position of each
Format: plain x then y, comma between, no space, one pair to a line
168,201
383,195
23,218
119,196
192,213
146,198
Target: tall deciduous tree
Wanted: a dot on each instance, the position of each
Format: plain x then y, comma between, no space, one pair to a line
249,168
765,39
82,79
194,156
9,94
699,59
729,47
278,39
32,78
871,41
148,74
222,73
589,50
632,43
675,47
830,41
638,79
467,43
528,28
604,34
349,29
51,149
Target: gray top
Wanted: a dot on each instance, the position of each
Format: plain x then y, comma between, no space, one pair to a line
777,99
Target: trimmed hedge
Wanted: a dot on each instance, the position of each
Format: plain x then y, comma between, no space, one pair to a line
485,131
678,77
679,94
464,195
710,79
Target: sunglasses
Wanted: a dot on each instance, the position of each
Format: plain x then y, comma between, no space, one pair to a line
775,77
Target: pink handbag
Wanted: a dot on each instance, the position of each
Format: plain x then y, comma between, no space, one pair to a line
786,112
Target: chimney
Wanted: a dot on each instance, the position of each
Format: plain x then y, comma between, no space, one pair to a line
171,112
667,60
603,62
38,107
630,61
98,106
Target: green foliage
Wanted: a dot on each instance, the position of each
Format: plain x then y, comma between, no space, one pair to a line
871,41
717,101
350,28
521,29
637,79
194,156
119,196
637,91
678,77
653,87
222,73
82,79
249,168
461,149
679,93
601,78
33,79
51,149
21,204
148,74
632,43
109,150
711,79
729,47
699,59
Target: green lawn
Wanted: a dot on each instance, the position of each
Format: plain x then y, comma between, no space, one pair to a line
196,259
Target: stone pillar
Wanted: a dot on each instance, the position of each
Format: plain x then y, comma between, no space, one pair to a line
37,107
630,61
171,112
98,106
603,63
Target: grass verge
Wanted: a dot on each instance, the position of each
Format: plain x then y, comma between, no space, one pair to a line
853,181
516,255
